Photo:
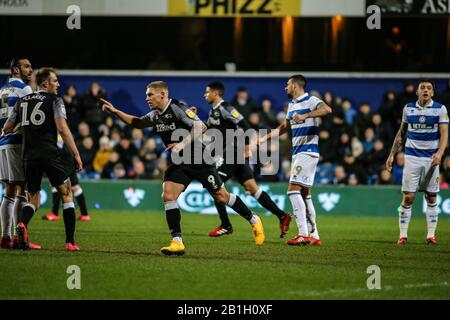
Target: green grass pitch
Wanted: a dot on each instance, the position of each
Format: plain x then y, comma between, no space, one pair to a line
121,259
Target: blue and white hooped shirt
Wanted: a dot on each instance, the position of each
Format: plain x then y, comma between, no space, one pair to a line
305,135
423,135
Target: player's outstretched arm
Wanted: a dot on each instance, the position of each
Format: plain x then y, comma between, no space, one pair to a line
278,131
67,137
399,141
125,117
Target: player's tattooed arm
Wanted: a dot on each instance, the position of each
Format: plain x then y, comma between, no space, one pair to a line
399,141
129,119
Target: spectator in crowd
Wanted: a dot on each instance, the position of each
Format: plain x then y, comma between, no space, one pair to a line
87,153
268,116
352,166
382,130
390,111
101,158
108,170
340,176
376,158
363,120
446,169
352,179
137,137
444,96
327,147
254,121
83,132
116,136
384,178
149,155
139,172
397,168
369,140
119,172
344,146
92,111
72,103
349,112
127,151
408,95
244,103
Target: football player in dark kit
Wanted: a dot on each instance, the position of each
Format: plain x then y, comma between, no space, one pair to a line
223,116
168,117
42,115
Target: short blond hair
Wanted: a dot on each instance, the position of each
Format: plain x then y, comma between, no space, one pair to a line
159,85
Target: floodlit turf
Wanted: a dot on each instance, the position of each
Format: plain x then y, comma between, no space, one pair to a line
121,259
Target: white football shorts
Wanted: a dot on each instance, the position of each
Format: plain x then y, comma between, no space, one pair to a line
303,169
11,165
417,175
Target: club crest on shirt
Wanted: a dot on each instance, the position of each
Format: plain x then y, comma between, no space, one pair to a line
422,119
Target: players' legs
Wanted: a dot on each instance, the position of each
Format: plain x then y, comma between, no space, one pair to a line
170,194
223,215
263,198
405,213
19,202
234,202
65,191
79,196
6,209
310,212
299,208
56,200
431,214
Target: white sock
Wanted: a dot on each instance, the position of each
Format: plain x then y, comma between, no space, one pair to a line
179,239
299,208
403,220
311,218
253,220
432,213
19,202
6,212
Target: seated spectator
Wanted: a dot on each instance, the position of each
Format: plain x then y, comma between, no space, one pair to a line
352,180
397,168
116,136
108,170
352,166
369,139
137,137
139,172
83,132
384,178
363,120
244,103
149,155
268,117
87,154
382,130
91,109
119,172
254,121
340,177
349,112
127,151
102,155
390,111
72,102
446,169
344,146
326,147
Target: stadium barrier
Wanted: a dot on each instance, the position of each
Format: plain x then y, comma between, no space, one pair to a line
131,196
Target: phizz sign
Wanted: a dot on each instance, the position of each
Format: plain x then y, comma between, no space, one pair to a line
411,7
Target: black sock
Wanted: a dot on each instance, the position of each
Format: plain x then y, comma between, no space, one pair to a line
267,203
82,204
222,210
26,214
173,218
56,200
239,206
69,224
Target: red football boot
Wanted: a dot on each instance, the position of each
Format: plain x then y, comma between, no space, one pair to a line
220,231
5,243
72,247
51,217
84,218
298,241
284,225
402,241
432,240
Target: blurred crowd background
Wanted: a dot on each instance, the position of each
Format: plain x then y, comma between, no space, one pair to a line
354,140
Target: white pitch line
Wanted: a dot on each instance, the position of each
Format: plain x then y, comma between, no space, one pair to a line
386,288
